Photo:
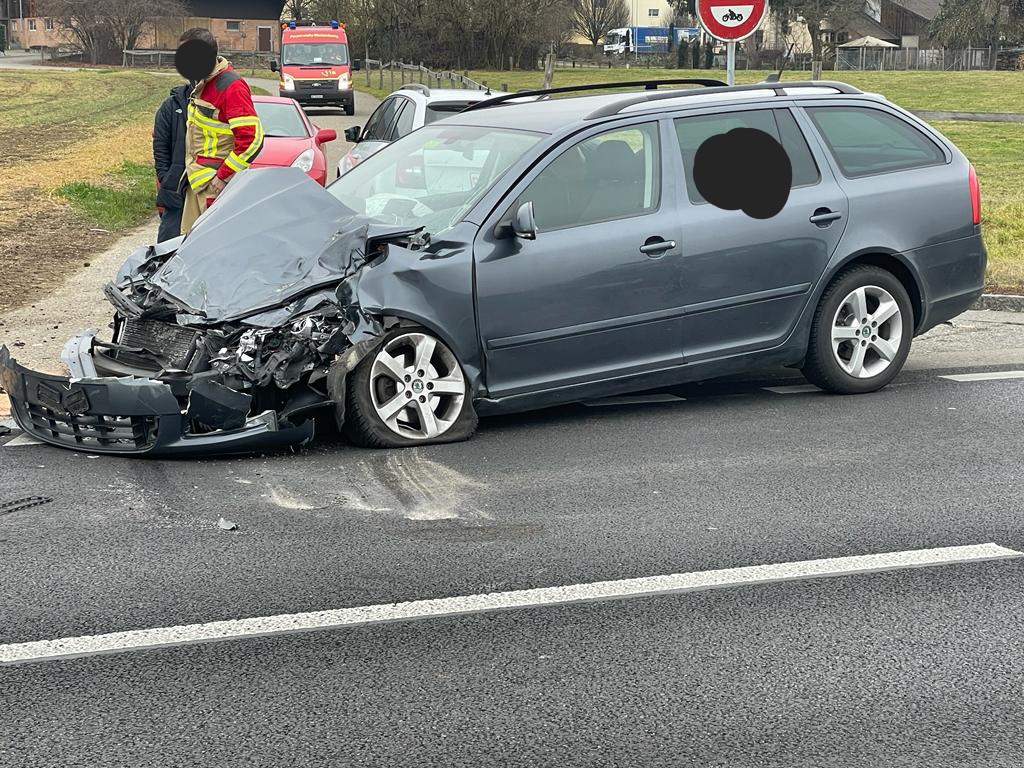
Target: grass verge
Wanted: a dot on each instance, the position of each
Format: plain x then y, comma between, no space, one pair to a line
121,199
997,152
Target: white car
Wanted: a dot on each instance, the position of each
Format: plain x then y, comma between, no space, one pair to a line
410,107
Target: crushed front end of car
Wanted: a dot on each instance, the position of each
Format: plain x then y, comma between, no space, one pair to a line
229,340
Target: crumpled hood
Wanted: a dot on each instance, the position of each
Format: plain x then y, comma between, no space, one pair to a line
273,235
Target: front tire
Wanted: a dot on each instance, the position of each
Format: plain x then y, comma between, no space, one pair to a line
861,332
410,391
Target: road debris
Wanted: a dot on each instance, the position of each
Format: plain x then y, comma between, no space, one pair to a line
226,525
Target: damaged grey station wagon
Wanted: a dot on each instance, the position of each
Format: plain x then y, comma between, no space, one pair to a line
518,255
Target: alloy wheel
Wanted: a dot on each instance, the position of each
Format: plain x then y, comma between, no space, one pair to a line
416,386
867,331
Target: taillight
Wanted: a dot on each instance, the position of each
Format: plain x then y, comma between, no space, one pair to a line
975,195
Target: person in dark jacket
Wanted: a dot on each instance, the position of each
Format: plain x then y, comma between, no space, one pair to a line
169,159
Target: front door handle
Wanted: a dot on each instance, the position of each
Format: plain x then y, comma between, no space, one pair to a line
656,245
823,217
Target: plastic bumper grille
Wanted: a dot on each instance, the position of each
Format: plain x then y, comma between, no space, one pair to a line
120,432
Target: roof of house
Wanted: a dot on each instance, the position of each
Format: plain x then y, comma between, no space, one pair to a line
926,9
237,9
864,26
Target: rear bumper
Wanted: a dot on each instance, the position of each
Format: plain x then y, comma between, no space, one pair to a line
127,415
321,96
951,276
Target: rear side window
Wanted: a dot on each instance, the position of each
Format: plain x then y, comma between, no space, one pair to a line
866,141
441,110
778,123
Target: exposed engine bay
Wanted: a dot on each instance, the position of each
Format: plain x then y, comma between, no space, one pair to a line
231,338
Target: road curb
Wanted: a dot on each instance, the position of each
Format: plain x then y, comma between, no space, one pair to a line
1000,302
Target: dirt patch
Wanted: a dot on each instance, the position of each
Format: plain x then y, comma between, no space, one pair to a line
34,265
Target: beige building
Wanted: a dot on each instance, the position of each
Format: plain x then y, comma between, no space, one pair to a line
650,13
238,25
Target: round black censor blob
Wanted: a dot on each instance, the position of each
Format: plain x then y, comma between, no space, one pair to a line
195,59
744,169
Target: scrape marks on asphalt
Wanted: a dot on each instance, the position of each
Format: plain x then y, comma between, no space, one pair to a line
425,489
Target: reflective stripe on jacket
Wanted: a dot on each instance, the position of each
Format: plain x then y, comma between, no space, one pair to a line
224,133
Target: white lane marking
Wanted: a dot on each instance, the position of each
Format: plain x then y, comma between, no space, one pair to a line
116,642
634,400
990,376
794,389
22,440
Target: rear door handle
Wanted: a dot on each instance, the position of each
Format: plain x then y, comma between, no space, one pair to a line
657,245
824,216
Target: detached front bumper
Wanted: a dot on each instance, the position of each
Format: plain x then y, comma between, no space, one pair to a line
127,415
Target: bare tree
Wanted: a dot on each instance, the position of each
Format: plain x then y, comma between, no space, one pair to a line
105,28
298,9
817,15
966,23
593,18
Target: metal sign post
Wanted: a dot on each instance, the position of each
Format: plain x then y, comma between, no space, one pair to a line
730,22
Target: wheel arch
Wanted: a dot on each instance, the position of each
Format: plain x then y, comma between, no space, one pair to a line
895,264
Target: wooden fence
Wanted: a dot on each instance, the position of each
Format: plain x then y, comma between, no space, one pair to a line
392,75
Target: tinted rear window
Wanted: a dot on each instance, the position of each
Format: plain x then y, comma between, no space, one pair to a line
439,111
866,141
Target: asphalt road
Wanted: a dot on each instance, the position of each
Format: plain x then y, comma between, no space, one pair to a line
906,667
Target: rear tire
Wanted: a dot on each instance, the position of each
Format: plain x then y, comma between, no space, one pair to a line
861,332
410,391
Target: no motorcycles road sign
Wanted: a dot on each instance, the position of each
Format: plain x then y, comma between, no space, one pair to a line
730,22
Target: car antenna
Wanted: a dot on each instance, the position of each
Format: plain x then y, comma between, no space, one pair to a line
777,76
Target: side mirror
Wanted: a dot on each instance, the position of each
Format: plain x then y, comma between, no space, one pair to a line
273,65
325,135
524,223
356,65
353,134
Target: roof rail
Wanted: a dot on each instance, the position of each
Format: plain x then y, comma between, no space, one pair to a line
649,85
779,88
416,87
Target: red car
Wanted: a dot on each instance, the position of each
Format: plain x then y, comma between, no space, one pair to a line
291,140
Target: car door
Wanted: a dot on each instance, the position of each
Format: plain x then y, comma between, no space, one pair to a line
597,294
746,280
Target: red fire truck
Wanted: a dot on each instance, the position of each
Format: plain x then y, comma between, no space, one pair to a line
315,67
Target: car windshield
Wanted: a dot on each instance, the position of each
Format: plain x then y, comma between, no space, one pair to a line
313,54
433,176
281,119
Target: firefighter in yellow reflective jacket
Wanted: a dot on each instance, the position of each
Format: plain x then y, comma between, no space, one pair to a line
223,135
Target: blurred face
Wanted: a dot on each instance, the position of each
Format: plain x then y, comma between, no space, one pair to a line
195,59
